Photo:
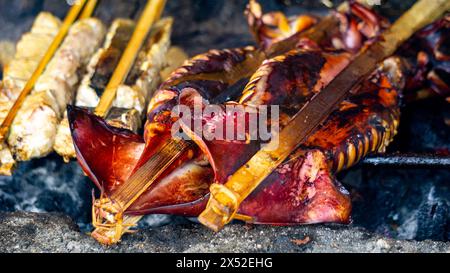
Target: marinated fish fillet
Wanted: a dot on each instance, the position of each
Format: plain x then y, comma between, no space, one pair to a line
29,51
132,97
34,129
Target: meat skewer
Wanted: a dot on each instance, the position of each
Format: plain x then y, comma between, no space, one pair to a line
7,52
133,95
98,71
34,128
151,13
29,51
30,48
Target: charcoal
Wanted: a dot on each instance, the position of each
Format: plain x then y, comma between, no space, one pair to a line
393,202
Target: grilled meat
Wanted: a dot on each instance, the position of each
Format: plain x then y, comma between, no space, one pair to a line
34,129
133,95
303,189
29,50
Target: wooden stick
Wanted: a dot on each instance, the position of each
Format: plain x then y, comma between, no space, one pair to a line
150,15
152,12
89,9
68,21
226,199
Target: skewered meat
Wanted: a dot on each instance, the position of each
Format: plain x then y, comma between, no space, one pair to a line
7,51
303,189
30,49
132,97
34,129
103,63
429,56
145,77
99,71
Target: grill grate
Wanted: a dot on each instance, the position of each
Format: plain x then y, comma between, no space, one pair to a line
408,160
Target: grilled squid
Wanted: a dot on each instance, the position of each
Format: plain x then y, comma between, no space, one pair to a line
29,50
428,57
132,97
33,131
303,189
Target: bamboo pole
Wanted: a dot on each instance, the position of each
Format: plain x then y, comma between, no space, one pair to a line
72,15
225,199
152,12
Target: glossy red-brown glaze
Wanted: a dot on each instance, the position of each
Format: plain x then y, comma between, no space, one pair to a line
303,189
273,27
106,154
428,54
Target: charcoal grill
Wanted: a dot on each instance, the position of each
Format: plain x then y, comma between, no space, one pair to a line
404,193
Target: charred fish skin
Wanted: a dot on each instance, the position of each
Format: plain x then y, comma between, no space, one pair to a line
29,50
34,128
133,95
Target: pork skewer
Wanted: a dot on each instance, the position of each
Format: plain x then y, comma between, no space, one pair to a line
133,95
34,128
29,51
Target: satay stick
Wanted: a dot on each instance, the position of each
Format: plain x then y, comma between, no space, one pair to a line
152,12
225,199
89,9
72,15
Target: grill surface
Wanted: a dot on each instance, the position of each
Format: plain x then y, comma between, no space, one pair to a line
403,195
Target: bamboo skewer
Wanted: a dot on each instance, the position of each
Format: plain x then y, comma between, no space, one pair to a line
72,15
225,199
89,9
152,12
